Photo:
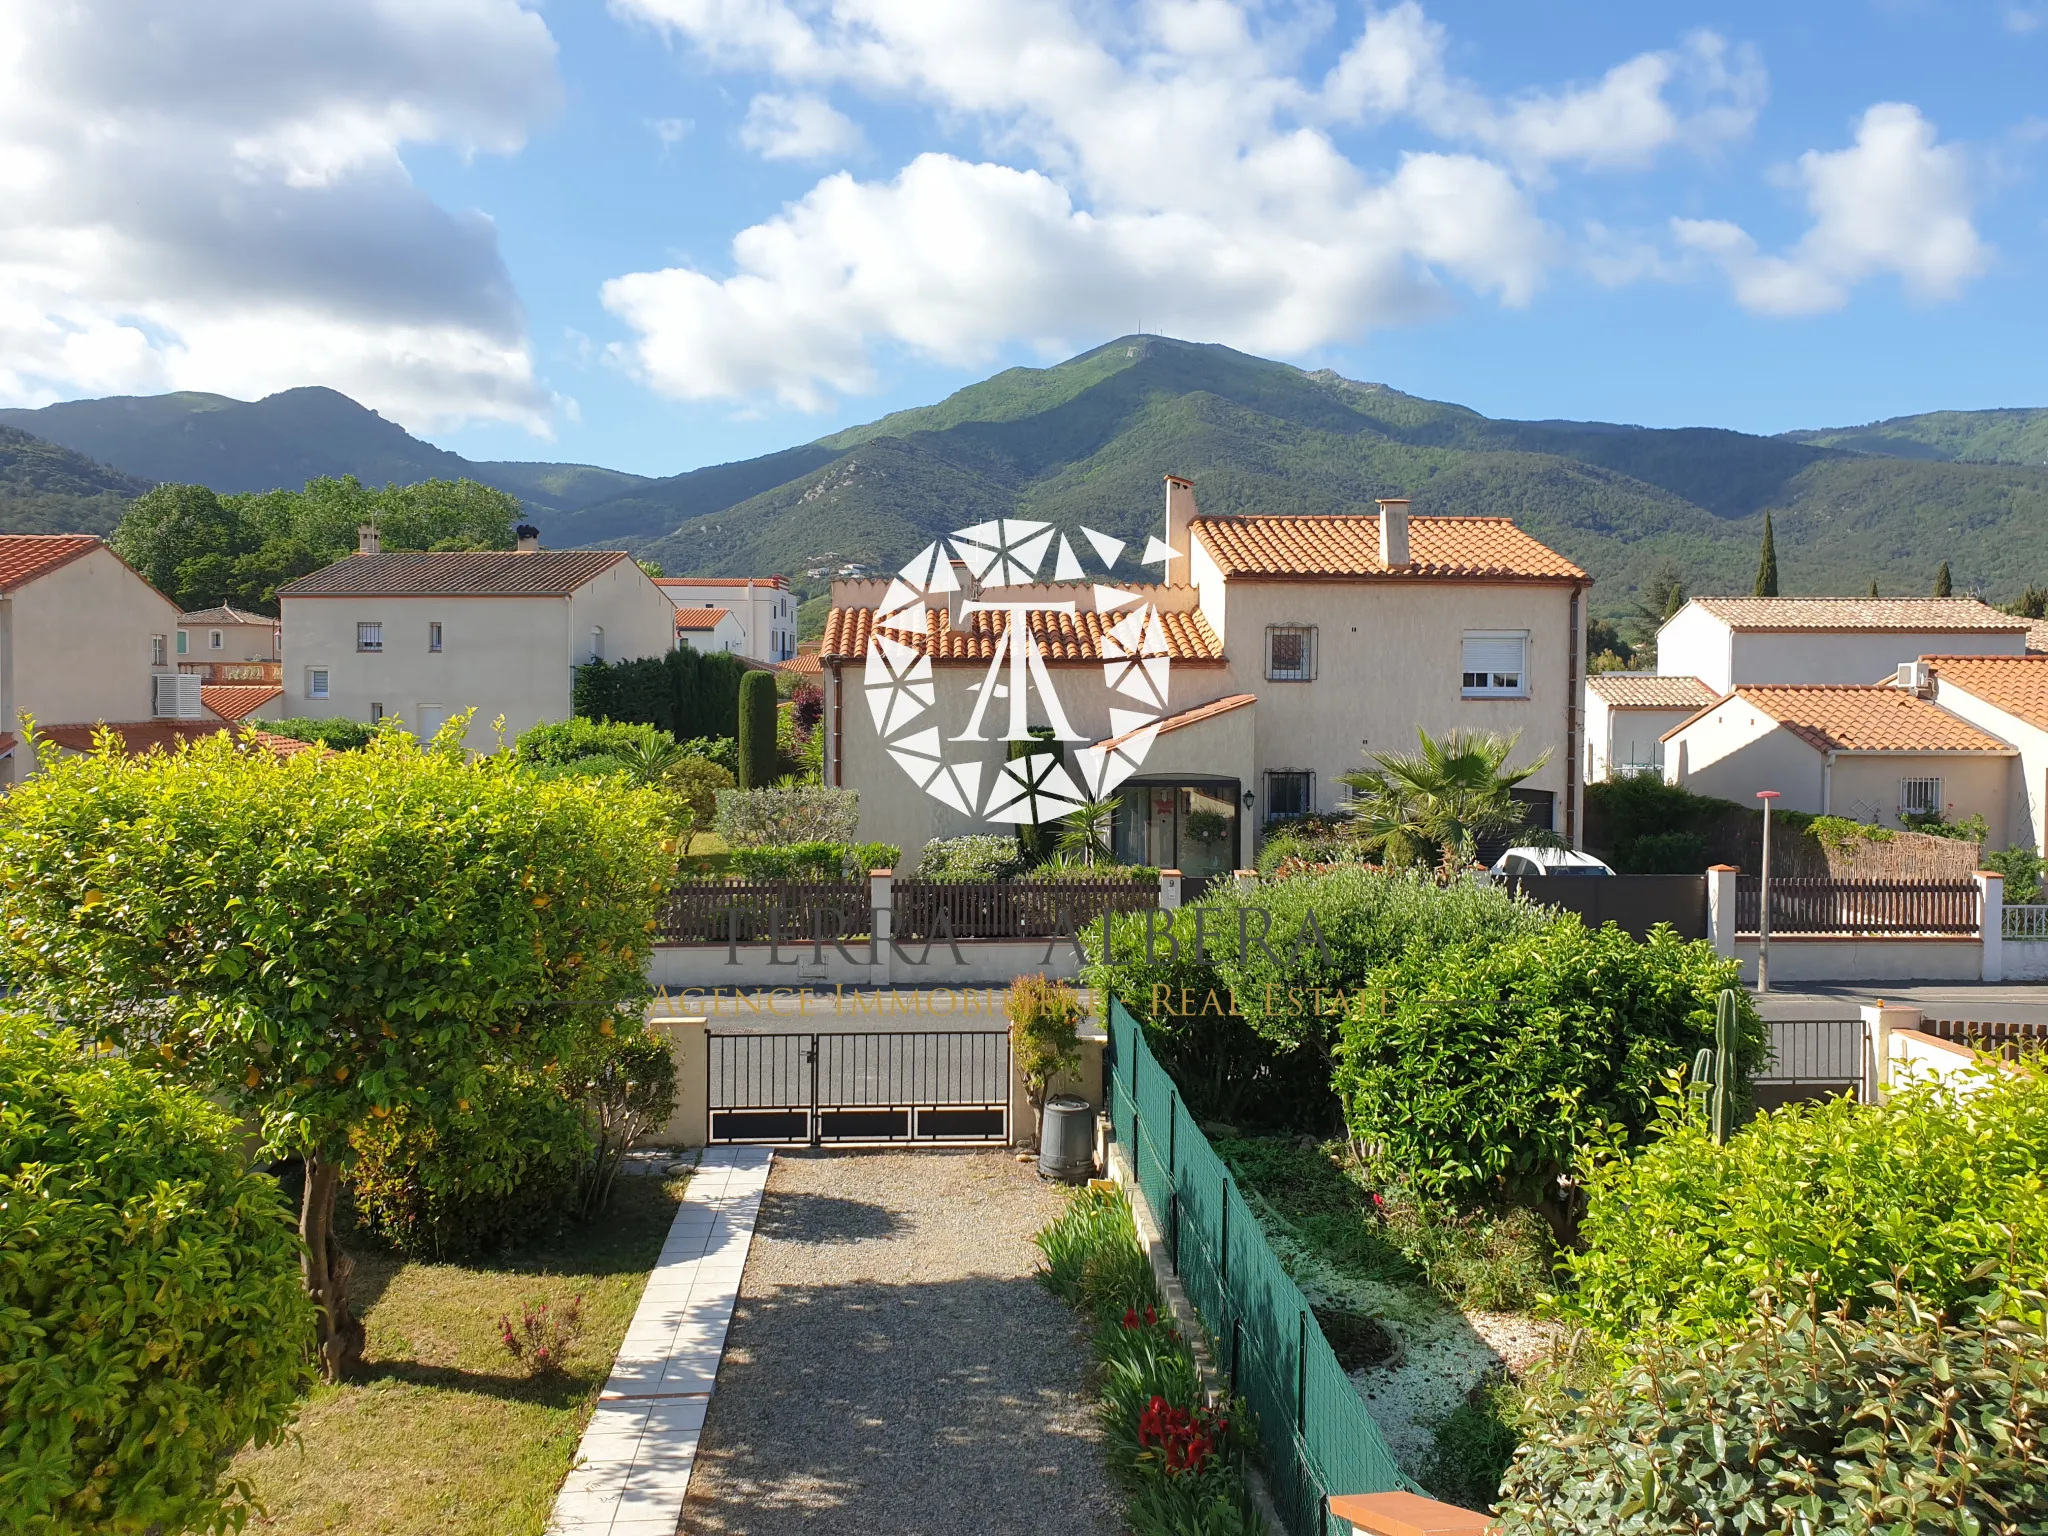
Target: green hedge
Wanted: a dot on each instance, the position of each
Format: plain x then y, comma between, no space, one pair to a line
686,693
152,1319
1926,1187
341,735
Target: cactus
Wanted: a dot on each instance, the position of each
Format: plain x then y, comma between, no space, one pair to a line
1713,1071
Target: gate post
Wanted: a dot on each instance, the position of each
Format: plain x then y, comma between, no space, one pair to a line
690,1044
812,1057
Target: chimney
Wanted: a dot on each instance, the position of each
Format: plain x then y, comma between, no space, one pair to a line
1394,532
529,538
367,542
1180,511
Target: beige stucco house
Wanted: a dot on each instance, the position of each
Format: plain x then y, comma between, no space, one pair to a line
83,639
425,636
762,607
1627,714
226,636
2006,696
1726,642
1868,753
1296,645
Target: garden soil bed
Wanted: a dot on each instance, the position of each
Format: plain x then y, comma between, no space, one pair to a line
892,1366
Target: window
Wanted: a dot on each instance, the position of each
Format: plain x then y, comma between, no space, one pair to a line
376,713
184,642
1290,792
1920,797
157,657
214,641
316,682
1290,653
369,637
597,642
1493,665
433,637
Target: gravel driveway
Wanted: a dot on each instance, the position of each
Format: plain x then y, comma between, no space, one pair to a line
892,1367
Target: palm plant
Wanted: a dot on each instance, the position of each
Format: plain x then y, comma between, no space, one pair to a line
649,759
1085,832
1446,797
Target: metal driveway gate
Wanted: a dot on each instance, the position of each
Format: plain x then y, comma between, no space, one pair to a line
815,1086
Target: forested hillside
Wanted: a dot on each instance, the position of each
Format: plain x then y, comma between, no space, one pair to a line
48,489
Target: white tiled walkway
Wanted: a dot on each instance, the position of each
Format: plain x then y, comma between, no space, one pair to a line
633,1466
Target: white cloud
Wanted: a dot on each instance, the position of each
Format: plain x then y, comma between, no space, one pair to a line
797,128
2023,19
209,194
1164,159
1896,201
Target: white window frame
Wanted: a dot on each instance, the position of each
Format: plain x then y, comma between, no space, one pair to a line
1907,797
434,636
1306,672
370,635
159,651
215,640
317,683
597,642
376,712
1492,673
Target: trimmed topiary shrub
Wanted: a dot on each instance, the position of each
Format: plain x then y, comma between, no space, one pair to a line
341,735
152,1319
1923,1188
1491,1069
504,1170
759,749
1808,1421
979,856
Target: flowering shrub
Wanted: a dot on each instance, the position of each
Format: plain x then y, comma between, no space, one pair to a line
542,1337
764,818
981,856
1185,1438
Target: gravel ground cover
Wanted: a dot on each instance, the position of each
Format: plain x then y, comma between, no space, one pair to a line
892,1367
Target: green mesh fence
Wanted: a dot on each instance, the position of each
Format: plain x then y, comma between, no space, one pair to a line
1317,1437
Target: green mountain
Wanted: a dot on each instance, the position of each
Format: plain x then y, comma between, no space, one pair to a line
1087,441
287,439
48,489
1968,437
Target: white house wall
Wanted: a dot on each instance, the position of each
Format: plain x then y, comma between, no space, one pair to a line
1736,751
1696,644
1625,736
1858,656
77,647
2027,780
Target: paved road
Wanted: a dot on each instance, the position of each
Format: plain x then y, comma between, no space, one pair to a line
873,1008
2015,1004
892,1368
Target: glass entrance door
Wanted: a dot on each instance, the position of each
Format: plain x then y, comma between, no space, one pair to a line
1191,827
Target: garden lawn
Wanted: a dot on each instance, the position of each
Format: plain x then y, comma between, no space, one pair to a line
442,1431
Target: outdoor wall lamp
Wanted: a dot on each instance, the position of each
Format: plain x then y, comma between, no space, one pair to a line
1250,799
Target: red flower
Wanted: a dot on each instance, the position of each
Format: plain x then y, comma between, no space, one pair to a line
1130,1317
1151,1317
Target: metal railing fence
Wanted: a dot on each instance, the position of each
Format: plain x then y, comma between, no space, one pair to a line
1800,906
1012,909
1317,1435
2026,923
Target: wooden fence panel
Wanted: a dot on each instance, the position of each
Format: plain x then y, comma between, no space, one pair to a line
1855,907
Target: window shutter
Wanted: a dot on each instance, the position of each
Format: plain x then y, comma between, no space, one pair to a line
1493,653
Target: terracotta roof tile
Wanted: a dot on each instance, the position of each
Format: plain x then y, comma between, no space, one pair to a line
700,618
25,556
1187,717
1070,638
804,664
458,573
1646,690
1856,717
779,582
231,701
2037,636
1906,613
226,613
2016,684
1440,549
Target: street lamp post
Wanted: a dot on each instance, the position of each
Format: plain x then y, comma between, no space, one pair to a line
1763,922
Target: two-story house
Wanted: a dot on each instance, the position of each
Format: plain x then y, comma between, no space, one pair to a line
761,609
425,636
84,640
1296,646
227,636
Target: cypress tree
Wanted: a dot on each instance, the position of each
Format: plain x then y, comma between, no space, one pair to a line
757,730
1767,566
1943,587
1873,586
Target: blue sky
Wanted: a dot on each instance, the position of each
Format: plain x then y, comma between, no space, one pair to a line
666,233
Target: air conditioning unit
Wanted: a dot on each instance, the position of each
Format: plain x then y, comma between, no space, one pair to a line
1917,676
175,696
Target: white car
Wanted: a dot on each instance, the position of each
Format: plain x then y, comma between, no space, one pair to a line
1518,863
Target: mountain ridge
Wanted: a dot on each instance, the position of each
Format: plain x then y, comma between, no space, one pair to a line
1087,440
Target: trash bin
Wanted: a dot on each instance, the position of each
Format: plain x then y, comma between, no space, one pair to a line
1066,1139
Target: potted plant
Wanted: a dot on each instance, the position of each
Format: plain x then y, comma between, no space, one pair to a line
1045,1037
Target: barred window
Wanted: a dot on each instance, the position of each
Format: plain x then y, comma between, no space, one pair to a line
1920,797
1290,792
1290,653
369,637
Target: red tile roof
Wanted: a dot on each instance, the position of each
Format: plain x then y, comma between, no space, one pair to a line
458,573
1857,717
25,556
721,581
2037,636
804,664
141,736
1186,717
1071,638
700,618
1903,613
1644,690
1348,548
2016,684
226,613
231,701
